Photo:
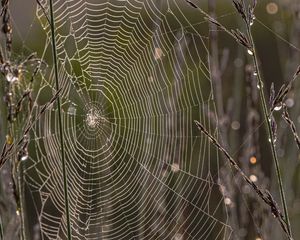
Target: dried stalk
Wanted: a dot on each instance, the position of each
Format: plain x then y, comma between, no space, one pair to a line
62,150
269,128
262,194
286,117
7,149
248,15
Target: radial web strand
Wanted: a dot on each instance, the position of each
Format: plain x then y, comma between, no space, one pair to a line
134,77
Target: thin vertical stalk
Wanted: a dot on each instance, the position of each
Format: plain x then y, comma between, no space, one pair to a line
3,125
1,229
21,199
269,128
60,122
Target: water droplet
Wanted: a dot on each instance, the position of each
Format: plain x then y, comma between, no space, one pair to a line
255,73
24,158
227,201
11,78
249,52
278,107
175,167
18,212
260,85
274,139
72,110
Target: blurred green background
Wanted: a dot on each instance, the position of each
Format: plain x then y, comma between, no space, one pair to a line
277,37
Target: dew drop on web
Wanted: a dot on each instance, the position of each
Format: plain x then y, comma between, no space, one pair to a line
72,110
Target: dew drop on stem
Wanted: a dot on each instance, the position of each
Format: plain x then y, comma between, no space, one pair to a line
250,52
24,157
258,86
11,78
278,108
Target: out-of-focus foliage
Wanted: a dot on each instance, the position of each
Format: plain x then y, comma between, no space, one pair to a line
240,123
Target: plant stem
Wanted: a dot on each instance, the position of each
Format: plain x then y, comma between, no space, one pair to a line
60,122
21,198
269,128
3,124
1,229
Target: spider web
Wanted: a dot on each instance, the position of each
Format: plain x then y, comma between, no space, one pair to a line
134,77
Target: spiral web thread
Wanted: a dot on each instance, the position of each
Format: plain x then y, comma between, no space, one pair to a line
134,76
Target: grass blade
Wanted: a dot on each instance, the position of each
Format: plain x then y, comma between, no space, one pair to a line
65,177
